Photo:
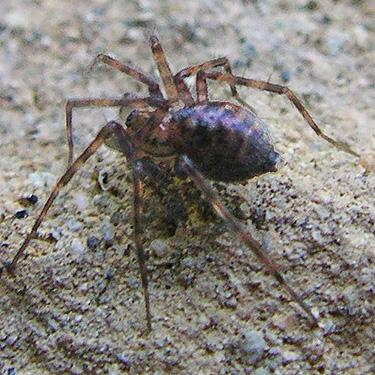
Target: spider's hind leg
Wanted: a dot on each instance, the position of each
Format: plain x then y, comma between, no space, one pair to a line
281,90
238,229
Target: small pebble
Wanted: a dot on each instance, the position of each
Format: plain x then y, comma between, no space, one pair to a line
101,200
52,324
18,20
108,232
11,339
73,224
290,355
159,247
92,242
252,347
21,214
103,179
81,201
33,199
77,247
28,200
110,272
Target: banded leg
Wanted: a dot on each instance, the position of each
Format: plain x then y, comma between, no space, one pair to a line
238,229
282,90
140,103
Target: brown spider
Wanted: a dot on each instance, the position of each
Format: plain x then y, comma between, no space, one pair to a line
218,140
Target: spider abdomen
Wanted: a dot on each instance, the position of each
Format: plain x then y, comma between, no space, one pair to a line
225,141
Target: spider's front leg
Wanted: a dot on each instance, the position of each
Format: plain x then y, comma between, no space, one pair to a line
153,87
135,103
239,230
107,131
115,136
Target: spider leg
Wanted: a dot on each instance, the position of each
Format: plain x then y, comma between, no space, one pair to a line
114,136
137,214
153,87
201,86
184,92
105,132
164,70
140,103
123,142
194,70
282,90
238,229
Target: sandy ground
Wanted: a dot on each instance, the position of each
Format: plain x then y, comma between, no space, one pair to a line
78,309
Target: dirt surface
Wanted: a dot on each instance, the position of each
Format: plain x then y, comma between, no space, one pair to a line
76,306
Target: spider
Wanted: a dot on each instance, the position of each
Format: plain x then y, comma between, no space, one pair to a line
215,140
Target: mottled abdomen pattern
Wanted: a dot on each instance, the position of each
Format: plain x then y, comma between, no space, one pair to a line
225,141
